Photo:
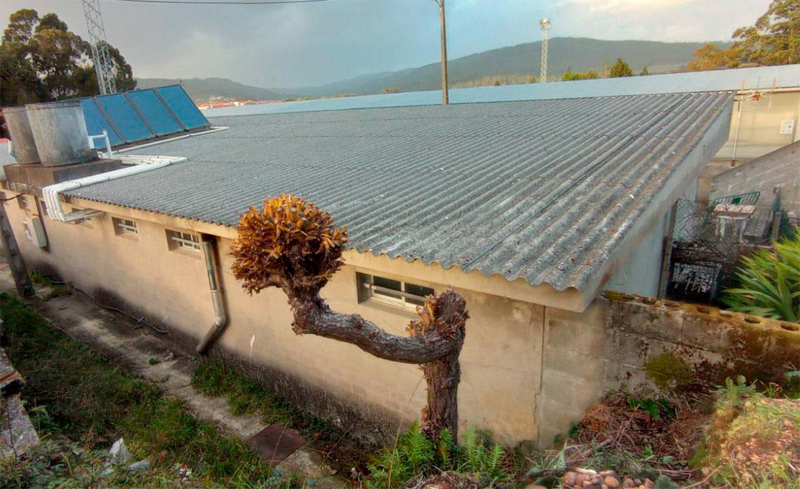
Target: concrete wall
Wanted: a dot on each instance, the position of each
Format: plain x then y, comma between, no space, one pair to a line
529,371
620,340
755,131
778,169
501,359
640,273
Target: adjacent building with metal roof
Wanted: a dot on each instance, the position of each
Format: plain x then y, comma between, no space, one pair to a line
763,78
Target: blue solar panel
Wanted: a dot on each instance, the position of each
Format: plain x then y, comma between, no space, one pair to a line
183,107
139,115
125,118
96,122
148,103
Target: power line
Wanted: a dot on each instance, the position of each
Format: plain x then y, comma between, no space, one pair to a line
222,2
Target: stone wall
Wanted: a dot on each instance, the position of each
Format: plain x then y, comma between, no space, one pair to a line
644,345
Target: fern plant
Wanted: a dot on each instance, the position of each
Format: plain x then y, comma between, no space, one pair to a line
481,456
415,455
412,455
770,283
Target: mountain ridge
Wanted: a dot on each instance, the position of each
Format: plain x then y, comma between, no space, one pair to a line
521,60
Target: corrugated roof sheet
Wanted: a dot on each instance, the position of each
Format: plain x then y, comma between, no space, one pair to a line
765,77
543,190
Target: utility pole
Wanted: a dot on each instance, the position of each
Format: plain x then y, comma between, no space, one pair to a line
443,29
103,67
545,24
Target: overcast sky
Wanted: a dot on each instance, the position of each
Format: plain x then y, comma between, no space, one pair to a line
316,43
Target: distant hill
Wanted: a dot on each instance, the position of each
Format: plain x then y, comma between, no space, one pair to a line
580,54
201,89
518,62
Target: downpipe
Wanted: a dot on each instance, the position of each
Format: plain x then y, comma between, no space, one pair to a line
220,317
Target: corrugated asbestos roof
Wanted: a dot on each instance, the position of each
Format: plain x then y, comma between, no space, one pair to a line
543,190
760,78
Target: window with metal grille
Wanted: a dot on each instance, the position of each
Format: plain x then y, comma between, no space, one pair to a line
179,240
391,292
125,227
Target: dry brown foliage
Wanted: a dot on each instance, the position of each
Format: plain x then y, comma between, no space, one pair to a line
445,314
290,243
614,424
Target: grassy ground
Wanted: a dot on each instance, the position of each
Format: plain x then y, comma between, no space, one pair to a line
245,395
81,404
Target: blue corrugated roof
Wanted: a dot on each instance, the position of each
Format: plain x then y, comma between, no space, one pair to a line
765,77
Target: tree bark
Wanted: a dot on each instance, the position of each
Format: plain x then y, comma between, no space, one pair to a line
315,317
435,349
443,376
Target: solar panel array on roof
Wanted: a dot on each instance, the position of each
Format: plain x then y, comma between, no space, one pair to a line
140,115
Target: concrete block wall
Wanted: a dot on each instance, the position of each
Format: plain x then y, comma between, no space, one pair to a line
608,347
574,368
781,168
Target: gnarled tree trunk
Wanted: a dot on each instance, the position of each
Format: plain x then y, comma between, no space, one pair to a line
292,245
435,344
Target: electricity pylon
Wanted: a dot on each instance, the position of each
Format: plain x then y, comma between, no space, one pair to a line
103,67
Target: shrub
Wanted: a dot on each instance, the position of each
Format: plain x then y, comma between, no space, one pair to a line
415,455
770,283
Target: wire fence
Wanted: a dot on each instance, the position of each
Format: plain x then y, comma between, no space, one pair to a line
706,249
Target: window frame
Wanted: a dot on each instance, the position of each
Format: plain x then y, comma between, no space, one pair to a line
368,291
122,228
184,241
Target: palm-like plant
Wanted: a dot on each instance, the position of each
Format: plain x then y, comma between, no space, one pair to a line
770,283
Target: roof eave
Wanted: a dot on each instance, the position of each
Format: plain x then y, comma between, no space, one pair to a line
676,185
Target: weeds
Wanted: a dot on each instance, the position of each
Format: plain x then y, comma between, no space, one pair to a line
77,399
656,408
56,288
416,457
246,395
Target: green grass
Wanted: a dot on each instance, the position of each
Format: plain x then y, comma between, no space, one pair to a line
81,404
57,289
245,395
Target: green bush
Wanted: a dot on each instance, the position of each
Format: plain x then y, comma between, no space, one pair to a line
414,455
770,283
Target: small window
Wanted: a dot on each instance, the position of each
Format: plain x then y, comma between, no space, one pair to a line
23,202
183,241
124,227
44,208
391,292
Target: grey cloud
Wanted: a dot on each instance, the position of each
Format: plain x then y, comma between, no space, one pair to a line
312,44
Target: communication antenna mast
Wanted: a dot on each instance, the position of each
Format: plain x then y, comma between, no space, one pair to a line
103,67
545,23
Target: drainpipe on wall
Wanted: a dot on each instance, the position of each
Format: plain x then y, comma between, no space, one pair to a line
666,253
217,298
